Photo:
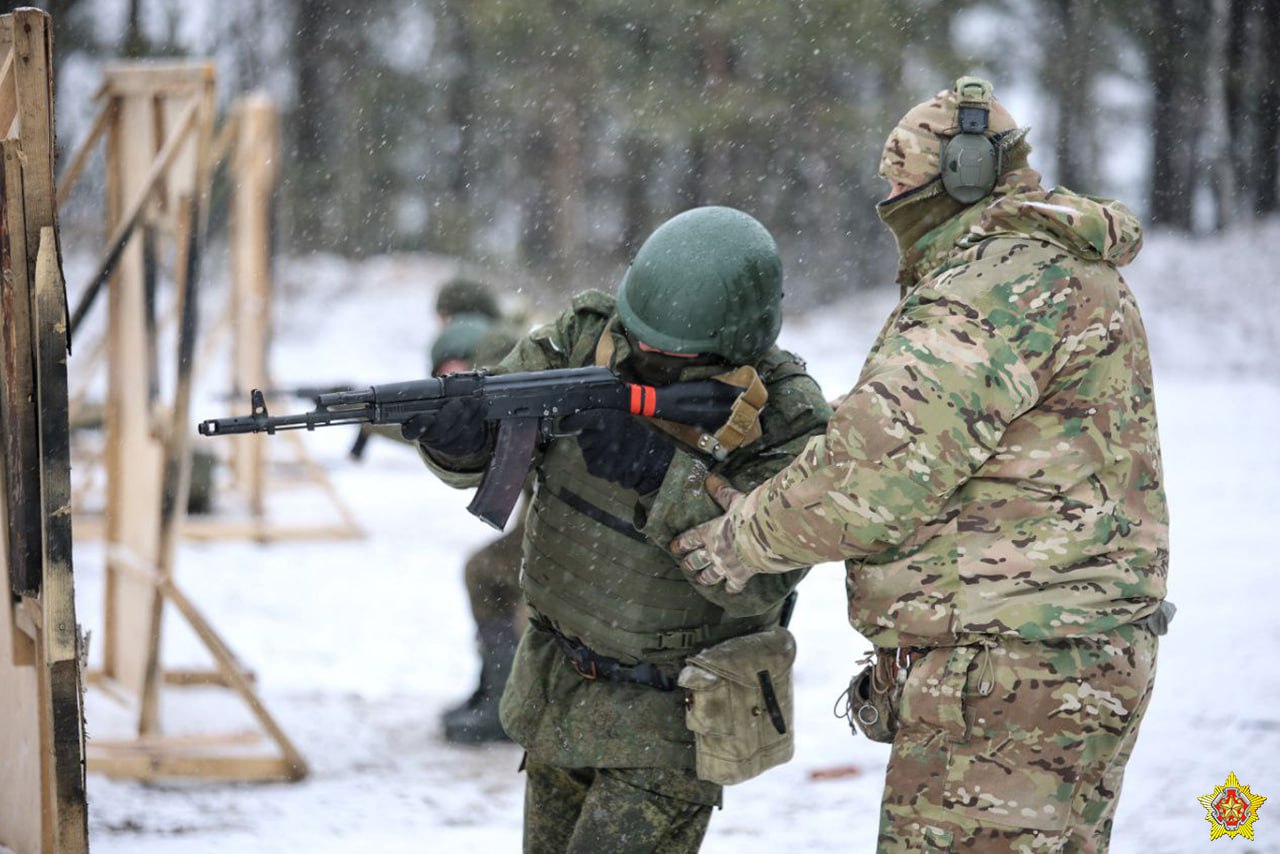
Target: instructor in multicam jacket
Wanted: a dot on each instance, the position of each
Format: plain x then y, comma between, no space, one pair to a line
993,483
592,695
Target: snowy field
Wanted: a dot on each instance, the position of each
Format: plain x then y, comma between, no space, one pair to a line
359,645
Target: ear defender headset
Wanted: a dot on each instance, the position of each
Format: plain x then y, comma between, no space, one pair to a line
970,159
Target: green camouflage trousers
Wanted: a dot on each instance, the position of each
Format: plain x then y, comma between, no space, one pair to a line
1016,747
614,810
493,580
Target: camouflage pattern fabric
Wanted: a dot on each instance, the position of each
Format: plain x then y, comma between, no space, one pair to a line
996,469
618,810
1016,746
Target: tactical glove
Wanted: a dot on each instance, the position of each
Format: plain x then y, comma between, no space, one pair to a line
621,449
455,430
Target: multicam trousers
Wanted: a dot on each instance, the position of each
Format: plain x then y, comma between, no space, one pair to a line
1016,746
615,810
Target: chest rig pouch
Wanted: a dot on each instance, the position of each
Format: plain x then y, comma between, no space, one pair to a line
738,704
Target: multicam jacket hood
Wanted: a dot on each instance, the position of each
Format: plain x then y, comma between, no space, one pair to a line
996,469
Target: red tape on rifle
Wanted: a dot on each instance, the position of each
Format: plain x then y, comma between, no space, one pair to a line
644,400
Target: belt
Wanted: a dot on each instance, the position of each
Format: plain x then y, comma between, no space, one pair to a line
592,666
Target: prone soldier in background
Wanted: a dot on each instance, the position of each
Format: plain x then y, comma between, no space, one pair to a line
593,698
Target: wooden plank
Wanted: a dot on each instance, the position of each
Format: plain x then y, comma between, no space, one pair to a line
160,766
128,220
60,636
33,49
153,744
21,826
150,78
257,151
176,473
19,431
205,677
227,663
223,140
90,529
8,93
134,455
71,173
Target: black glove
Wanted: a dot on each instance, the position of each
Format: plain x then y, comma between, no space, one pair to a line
456,429
621,449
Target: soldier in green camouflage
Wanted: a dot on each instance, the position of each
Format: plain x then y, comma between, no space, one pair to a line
592,696
993,483
474,333
492,573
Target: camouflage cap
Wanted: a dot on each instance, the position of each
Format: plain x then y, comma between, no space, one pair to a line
912,153
463,295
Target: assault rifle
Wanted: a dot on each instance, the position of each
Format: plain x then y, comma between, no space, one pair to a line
526,407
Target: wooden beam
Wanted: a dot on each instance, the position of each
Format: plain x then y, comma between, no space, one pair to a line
8,93
71,174
60,633
165,78
19,440
160,765
124,228
230,668
33,66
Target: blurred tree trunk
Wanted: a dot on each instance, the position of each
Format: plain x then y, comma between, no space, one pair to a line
304,171
552,160
135,41
452,217
637,213
1265,200
1176,50
1071,85
1235,95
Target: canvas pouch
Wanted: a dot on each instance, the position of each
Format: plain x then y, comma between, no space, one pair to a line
739,703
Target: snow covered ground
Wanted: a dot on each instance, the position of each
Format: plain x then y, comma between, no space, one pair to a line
359,645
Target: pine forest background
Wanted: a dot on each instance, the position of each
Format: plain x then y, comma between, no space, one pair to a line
544,139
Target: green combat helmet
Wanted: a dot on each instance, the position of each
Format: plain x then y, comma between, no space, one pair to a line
708,280
460,339
461,295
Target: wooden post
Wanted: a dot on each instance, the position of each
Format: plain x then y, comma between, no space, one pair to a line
137,429
254,166
42,747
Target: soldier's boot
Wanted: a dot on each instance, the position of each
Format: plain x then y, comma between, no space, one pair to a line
476,720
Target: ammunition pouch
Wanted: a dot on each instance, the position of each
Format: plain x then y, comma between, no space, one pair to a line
738,704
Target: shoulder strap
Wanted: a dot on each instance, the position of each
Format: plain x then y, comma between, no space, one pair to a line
741,428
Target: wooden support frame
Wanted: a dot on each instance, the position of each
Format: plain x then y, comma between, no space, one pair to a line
42,743
157,124
249,141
